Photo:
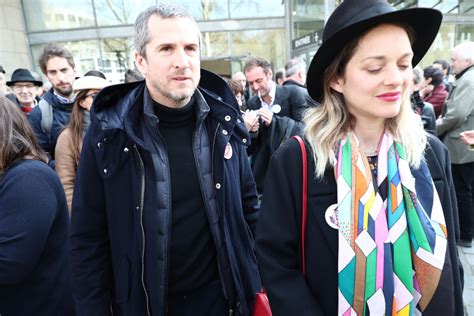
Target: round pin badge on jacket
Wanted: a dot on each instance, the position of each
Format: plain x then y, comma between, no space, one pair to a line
331,216
276,108
228,151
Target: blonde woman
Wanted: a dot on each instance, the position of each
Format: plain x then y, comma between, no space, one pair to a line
69,145
380,227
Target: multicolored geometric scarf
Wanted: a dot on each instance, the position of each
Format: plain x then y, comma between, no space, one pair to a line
393,239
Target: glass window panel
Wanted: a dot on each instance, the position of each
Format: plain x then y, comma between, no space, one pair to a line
256,8
117,57
84,53
43,15
206,9
215,44
307,16
119,12
466,7
442,45
445,6
269,44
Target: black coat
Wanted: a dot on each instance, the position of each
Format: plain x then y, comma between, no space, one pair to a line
121,210
284,124
279,231
304,90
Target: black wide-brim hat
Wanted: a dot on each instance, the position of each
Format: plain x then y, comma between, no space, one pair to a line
354,17
23,75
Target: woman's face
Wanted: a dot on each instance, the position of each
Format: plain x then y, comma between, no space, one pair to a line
86,103
378,75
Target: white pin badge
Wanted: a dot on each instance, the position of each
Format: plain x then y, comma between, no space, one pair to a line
228,151
331,216
276,108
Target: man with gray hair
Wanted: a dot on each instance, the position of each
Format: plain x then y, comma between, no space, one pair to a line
165,205
457,117
295,70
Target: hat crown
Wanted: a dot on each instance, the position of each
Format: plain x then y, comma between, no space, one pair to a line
353,11
23,75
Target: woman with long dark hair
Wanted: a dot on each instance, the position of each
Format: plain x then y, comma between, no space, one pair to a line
69,145
34,223
381,223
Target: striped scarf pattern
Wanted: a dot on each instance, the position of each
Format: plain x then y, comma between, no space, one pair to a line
393,239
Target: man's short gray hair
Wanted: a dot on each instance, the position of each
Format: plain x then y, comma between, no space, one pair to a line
465,51
294,65
141,34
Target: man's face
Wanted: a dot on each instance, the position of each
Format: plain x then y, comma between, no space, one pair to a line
25,92
457,64
61,75
240,77
172,63
259,82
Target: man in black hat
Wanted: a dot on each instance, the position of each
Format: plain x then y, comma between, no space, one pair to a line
24,87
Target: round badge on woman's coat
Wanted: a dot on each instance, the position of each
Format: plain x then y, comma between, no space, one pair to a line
331,216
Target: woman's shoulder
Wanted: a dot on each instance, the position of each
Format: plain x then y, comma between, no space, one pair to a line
65,135
31,171
290,151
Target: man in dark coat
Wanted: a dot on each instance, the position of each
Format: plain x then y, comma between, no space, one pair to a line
165,206
280,109
295,70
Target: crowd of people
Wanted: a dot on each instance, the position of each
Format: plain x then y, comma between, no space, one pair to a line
343,188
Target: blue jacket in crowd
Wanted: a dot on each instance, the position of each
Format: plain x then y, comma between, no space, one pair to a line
34,257
61,114
121,211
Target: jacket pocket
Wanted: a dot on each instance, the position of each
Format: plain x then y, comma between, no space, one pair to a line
122,281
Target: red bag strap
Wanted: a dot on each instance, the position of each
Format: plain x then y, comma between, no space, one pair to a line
304,200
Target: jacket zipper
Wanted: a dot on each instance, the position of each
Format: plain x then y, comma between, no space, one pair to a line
213,147
142,201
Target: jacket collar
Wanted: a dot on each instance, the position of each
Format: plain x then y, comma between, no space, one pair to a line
123,106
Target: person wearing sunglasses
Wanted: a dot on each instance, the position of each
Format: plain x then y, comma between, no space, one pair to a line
69,145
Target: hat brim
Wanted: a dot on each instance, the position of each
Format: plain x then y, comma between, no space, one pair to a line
35,82
424,22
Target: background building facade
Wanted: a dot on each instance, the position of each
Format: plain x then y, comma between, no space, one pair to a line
99,32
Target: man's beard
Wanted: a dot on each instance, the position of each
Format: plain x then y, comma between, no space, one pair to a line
65,92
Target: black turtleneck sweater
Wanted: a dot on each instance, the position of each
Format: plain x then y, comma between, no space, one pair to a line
193,262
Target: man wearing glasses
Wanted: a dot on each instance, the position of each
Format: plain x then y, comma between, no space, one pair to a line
24,87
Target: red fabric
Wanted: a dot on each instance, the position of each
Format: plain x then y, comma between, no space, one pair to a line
304,201
437,97
26,109
262,305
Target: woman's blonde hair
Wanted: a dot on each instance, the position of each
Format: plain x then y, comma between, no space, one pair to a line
328,123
